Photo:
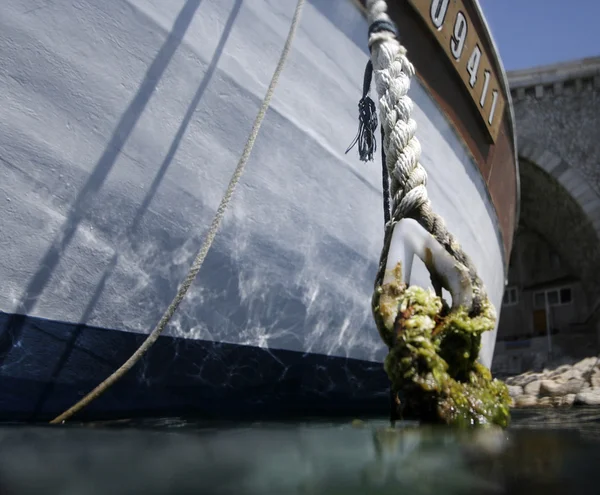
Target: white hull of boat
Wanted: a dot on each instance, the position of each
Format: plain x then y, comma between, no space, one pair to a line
120,125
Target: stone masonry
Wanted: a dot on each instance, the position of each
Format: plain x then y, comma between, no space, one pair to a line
557,111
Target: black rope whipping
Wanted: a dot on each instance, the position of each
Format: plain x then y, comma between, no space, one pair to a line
367,121
382,25
366,137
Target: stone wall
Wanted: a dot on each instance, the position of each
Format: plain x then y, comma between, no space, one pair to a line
557,112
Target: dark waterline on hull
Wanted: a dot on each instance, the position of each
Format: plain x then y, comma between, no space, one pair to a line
51,365
252,420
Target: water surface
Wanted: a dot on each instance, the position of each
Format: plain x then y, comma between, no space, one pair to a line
544,451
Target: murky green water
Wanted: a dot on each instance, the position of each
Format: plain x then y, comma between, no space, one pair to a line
545,452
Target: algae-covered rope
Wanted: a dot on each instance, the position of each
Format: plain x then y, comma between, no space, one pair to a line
433,348
206,245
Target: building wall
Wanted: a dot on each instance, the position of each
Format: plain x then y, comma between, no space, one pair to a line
536,267
557,110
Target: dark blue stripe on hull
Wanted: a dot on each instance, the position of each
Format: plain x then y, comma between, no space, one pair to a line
50,365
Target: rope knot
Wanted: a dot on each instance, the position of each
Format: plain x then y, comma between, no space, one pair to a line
432,359
434,348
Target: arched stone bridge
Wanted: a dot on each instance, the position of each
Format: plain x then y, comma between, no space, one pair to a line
557,110
557,246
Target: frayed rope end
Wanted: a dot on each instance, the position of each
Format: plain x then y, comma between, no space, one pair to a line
367,121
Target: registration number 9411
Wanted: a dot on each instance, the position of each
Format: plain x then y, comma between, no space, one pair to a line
454,30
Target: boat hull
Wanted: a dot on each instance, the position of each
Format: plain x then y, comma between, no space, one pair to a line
121,125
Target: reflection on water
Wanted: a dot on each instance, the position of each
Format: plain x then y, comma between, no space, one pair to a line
585,420
546,452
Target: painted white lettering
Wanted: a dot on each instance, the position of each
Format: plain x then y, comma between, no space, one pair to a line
438,12
486,83
473,65
493,109
457,42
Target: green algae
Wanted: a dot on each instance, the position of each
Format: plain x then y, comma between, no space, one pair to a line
432,362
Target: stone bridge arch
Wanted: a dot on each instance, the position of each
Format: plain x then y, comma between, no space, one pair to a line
559,204
557,245
571,179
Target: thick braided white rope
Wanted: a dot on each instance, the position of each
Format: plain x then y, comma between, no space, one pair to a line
392,72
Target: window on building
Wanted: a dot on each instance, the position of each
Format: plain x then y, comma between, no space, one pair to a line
539,299
565,296
511,296
556,297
